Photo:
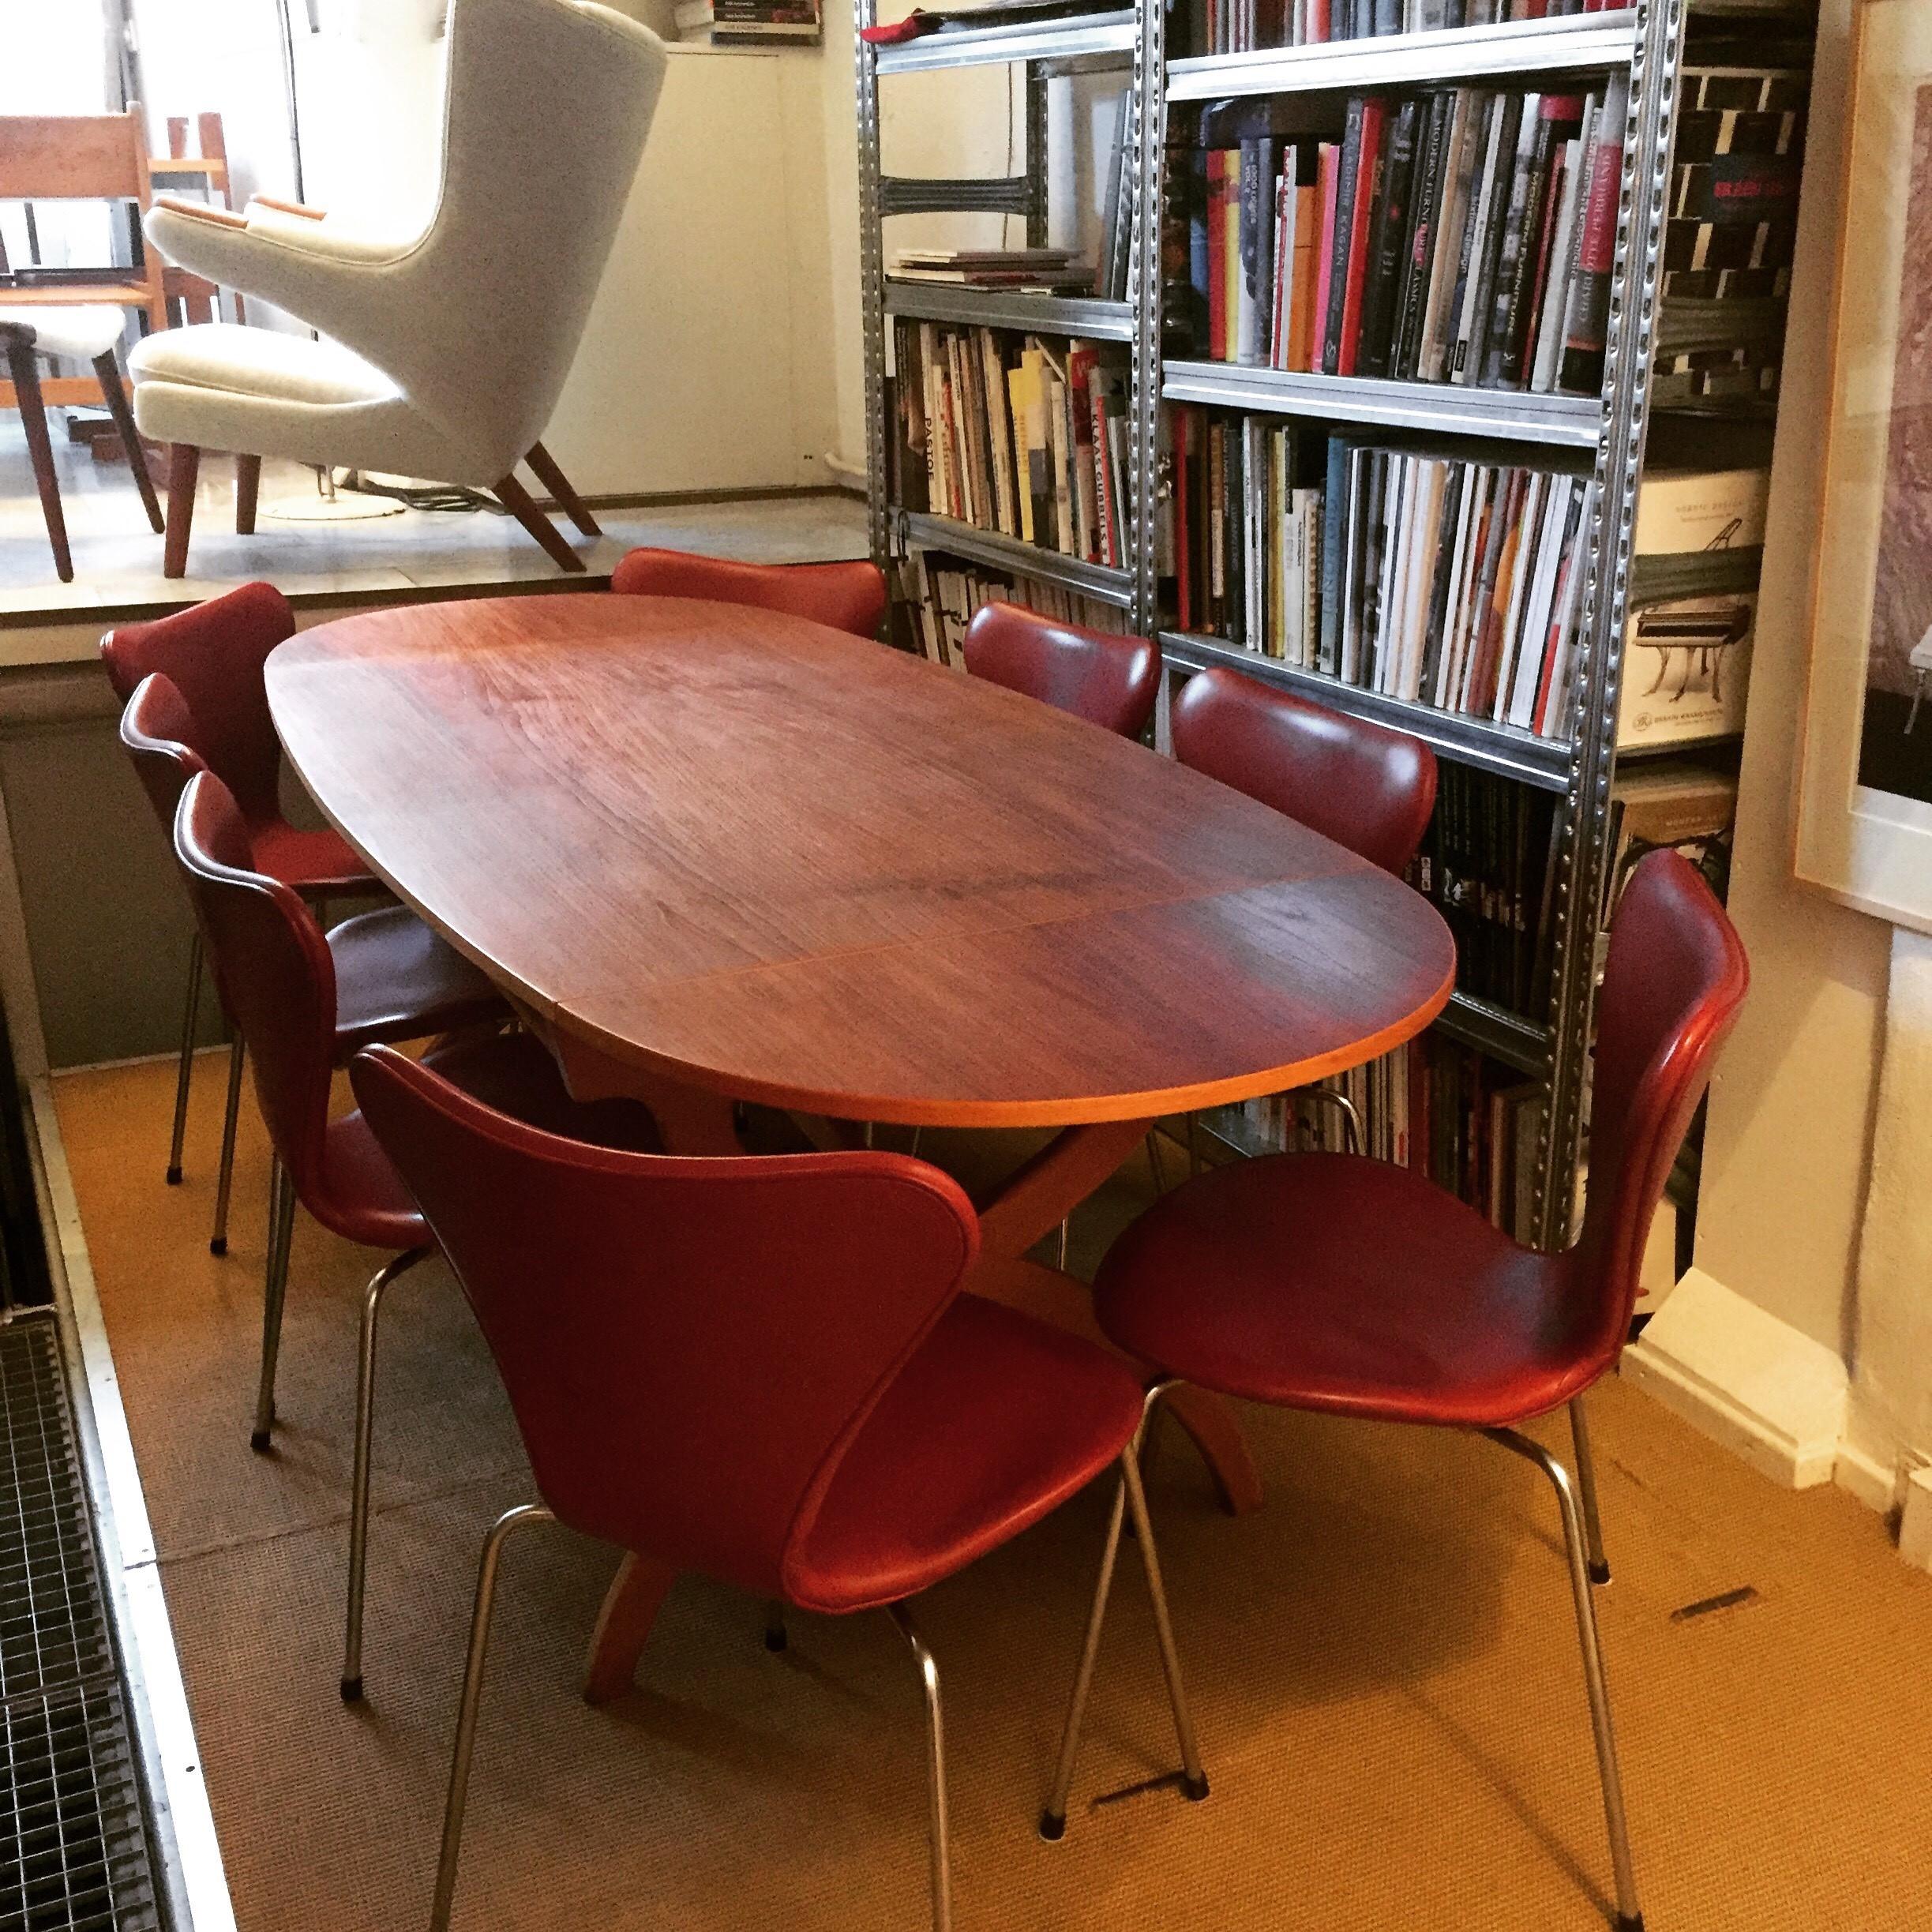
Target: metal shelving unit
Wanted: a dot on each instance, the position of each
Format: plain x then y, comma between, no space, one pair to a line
1602,434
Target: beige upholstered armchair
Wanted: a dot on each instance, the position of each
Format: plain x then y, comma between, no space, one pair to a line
449,349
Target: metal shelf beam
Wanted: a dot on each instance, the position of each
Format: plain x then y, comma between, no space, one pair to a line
1000,552
1039,315
1574,44
1430,408
1544,763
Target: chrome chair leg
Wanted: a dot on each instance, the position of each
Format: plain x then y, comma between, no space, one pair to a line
1128,1494
1156,1168
238,1052
1630,1913
185,1066
935,1771
1059,1260
500,1532
1586,1491
1351,1118
776,1636
275,1289
359,1482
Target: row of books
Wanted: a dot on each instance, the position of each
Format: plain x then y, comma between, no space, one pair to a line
1429,577
1016,434
1466,1122
1488,864
1240,26
1461,235
937,595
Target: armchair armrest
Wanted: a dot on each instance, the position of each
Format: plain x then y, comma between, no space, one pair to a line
287,208
200,211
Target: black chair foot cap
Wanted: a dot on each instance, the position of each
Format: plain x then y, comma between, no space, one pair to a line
776,1640
1600,1571
352,1690
174,1177
1630,1922
1052,1826
258,1441
1194,1790
219,1245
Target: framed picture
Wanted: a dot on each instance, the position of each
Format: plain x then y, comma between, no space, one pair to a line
1865,790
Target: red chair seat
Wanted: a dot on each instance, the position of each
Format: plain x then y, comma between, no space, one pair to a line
1330,1282
319,864
928,1486
397,980
364,1198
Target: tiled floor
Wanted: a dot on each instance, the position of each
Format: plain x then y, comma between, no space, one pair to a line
117,557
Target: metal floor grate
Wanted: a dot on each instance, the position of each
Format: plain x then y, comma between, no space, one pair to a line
73,1851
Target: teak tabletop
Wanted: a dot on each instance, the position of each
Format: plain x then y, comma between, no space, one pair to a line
764,860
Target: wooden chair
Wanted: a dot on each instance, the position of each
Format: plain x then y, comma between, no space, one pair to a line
192,297
75,157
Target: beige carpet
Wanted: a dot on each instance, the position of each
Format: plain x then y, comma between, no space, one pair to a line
1382,1660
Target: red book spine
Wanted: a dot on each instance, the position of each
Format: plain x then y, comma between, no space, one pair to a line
1103,469
1328,179
1368,182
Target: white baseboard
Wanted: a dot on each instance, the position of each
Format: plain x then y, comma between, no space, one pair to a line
1773,1396
1874,1481
1915,1521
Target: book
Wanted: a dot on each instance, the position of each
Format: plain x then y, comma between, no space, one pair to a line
1580,370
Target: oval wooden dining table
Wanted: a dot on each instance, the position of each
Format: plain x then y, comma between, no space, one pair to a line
717,854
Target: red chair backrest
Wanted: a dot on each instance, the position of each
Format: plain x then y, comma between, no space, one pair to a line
847,597
213,655
157,729
276,975
689,1345
1110,681
1674,981
1360,784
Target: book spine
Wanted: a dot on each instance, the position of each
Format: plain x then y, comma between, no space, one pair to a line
1581,370
1509,165
1334,535
1368,186
1347,177
1328,185
1425,202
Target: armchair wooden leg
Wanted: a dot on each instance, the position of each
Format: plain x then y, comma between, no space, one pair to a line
247,488
559,486
630,1609
184,468
517,500
107,371
26,375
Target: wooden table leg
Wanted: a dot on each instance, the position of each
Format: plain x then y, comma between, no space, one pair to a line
691,1120
1036,1199
630,1607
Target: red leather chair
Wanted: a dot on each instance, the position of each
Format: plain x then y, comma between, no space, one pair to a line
760,1369
1329,1282
1362,785
213,654
281,981
846,596
1109,679
396,980
1369,788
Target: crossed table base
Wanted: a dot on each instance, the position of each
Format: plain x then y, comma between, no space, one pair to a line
1020,1211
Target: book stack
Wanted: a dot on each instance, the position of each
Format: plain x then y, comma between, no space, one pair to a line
1462,236
1045,271
1672,802
1488,863
1465,1121
940,595
1729,238
748,23
1014,434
